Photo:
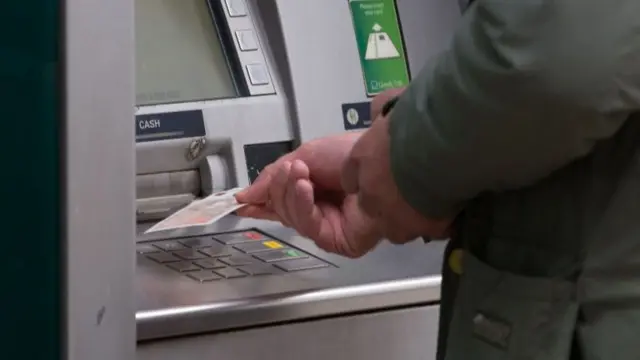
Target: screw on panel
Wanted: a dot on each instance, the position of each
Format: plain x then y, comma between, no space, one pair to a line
195,148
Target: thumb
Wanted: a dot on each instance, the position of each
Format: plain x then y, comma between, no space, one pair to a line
349,176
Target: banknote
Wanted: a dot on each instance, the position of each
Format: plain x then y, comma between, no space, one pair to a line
201,212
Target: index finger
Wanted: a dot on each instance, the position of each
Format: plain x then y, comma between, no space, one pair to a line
258,212
258,192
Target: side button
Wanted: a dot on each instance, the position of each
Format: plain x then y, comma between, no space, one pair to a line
301,264
246,40
258,74
236,8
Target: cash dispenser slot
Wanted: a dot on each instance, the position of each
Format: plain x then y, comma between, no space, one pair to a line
160,194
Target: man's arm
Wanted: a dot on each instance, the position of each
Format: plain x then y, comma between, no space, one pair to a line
526,87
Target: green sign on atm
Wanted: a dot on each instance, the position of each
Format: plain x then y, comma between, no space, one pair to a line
382,55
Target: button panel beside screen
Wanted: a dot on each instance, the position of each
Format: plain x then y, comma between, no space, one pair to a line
179,55
197,50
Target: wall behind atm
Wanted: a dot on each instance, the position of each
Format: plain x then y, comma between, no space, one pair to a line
315,48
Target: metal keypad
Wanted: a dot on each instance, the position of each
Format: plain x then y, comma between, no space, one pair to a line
184,266
228,256
204,276
210,264
198,242
258,269
237,260
239,237
301,264
146,249
218,250
189,254
230,273
169,245
281,255
259,246
163,257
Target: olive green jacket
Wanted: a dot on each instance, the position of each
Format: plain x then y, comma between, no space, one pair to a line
527,130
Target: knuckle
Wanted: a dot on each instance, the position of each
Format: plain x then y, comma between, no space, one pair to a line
323,245
267,170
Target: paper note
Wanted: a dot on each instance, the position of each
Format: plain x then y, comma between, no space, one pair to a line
201,212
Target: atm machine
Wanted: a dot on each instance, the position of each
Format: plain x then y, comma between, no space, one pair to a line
223,88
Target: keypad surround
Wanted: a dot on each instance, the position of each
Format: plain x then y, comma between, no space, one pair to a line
227,256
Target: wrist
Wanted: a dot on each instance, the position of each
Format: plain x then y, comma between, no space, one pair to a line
388,106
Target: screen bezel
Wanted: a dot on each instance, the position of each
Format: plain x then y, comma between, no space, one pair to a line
230,54
227,42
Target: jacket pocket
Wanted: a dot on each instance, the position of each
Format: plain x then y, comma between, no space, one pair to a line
500,315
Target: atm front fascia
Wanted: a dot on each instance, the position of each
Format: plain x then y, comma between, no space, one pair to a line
224,87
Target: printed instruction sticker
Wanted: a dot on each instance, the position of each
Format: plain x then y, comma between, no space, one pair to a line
380,45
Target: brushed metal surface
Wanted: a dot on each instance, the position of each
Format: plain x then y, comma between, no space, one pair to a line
170,304
407,334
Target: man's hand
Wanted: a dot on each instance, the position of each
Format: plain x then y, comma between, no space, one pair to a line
302,190
367,174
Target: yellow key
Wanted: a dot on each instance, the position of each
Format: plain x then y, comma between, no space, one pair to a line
272,244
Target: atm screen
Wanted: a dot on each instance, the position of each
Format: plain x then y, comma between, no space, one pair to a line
179,56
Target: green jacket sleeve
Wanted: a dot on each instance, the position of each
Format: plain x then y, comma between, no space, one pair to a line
525,88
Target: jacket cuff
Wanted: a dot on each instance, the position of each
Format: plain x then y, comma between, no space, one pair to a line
405,163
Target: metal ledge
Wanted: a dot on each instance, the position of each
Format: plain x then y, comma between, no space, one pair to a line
291,306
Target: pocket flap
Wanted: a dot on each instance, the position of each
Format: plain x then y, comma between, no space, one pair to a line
501,315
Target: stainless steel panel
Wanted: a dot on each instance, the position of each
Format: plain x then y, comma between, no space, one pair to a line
323,72
99,179
408,334
321,69
171,304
